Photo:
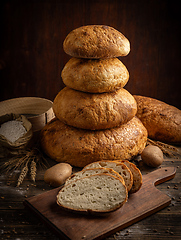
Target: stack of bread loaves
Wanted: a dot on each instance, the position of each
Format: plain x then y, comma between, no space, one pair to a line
95,116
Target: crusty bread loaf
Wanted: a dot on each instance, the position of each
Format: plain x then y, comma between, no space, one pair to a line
96,41
100,193
119,167
162,121
80,147
95,76
93,171
94,111
137,176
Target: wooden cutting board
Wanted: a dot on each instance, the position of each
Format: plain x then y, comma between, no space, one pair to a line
66,225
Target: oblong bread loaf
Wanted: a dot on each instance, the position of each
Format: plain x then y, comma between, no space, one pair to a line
162,121
100,193
93,110
137,176
79,147
92,171
119,167
95,76
96,41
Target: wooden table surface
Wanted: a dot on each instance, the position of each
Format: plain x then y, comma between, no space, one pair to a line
16,222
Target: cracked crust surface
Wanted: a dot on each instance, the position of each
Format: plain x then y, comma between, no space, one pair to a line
95,76
96,41
94,111
80,147
162,121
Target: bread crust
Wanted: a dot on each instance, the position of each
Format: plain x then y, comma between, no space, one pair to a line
95,76
119,167
96,41
80,147
94,111
137,176
92,171
162,121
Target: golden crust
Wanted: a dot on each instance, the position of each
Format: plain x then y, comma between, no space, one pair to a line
137,176
95,76
94,111
80,147
96,41
162,121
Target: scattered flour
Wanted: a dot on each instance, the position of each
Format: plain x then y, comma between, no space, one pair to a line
12,130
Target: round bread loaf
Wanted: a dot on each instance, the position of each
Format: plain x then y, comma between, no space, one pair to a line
96,41
95,76
80,147
94,111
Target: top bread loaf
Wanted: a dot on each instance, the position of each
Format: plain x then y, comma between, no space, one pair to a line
96,41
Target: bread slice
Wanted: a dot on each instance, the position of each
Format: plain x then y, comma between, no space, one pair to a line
137,176
99,193
120,168
93,171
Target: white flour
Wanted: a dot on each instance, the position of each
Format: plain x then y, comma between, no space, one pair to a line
12,130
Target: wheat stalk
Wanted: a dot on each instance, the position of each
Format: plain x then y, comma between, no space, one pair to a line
23,174
166,148
21,162
33,170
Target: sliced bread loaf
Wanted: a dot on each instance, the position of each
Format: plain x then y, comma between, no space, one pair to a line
93,171
99,193
137,176
119,167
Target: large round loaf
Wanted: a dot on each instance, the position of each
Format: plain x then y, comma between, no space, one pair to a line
80,147
94,111
162,121
96,41
95,76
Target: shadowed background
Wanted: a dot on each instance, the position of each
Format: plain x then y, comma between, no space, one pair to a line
32,34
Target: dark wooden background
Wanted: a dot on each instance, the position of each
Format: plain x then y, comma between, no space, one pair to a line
32,33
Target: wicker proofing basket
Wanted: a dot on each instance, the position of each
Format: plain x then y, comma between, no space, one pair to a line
37,110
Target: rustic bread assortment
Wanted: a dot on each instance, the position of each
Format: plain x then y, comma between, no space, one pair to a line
97,121
162,121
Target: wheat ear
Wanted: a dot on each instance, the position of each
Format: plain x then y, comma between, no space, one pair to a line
33,170
22,174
